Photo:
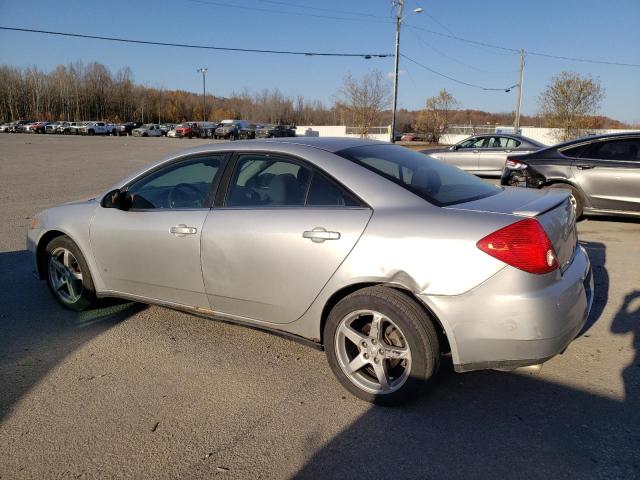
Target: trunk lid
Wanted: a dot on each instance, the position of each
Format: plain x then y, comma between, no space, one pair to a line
550,207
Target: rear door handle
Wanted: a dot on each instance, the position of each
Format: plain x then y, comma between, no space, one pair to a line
585,167
320,234
182,230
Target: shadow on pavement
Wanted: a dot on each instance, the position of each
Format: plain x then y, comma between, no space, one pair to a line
500,425
36,333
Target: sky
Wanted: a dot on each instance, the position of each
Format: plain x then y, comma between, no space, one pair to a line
592,29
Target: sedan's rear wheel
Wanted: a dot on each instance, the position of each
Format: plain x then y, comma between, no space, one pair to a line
381,345
68,275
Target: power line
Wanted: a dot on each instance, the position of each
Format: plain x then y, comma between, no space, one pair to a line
503,89
529,52
320,9
203,47
445,55
285,12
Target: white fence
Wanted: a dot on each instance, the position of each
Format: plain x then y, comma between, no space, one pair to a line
339,131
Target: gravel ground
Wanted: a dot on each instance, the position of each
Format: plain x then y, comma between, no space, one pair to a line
145,392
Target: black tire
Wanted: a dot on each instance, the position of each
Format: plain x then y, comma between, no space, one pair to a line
416,327
576,197
87,296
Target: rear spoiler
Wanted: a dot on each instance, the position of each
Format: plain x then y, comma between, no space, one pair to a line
542,205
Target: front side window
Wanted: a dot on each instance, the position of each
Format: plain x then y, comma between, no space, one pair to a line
186,184
267,181
436,182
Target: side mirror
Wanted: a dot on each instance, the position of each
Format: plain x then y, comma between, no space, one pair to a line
117,199
455,147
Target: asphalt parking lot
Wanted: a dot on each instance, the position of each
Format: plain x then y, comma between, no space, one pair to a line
146,392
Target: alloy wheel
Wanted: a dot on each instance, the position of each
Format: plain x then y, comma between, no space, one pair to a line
373,352
65,275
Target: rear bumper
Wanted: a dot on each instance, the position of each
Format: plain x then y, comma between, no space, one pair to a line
516,319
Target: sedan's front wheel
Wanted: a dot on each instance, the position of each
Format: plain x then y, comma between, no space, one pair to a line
381,345
68,275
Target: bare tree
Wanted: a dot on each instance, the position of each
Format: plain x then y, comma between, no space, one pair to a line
434,119
364,99
569,102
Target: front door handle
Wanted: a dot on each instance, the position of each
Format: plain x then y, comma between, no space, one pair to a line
585,167
182,230
320,234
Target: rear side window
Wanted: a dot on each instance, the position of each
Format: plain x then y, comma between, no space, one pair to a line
261,180
624,149
575,152
436,182
325,193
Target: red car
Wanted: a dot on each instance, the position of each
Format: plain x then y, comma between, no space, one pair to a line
409,137
189,130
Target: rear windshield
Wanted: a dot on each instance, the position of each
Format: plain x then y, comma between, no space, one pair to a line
425,176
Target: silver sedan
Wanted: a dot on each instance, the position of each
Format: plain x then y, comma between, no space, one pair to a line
386,258
485,155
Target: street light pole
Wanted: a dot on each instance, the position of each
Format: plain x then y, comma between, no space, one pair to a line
204,93
516,122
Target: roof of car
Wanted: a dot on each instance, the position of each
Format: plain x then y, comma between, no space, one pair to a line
588,138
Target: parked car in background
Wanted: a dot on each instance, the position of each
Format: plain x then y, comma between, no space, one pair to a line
38,127
52,128
172,133
165,128
25,127
410,137
6,127
126,128
207,129
19,125
147,130
188,130
229,129
485,155
272,131
601,173
97,128
70,128
346,229
248,132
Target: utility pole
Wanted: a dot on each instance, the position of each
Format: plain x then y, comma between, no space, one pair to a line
400,8
516,123
399,18
204,93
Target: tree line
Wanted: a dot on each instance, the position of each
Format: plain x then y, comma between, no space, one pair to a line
79,91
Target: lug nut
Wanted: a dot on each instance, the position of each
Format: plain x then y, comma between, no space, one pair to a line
375,360
366,355
381,351
373,341
364,344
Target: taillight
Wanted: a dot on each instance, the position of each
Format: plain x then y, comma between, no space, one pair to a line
513,164
524,245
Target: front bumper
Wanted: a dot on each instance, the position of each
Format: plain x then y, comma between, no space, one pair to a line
516,319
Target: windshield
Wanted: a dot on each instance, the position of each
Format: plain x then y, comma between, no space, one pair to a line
436,182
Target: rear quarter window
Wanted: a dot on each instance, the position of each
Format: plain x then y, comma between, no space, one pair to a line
432,180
